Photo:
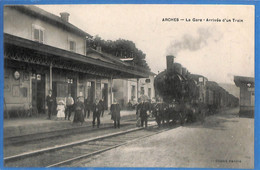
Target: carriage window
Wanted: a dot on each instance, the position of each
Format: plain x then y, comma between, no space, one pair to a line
200,79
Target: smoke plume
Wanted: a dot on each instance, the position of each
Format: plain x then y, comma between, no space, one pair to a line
194,43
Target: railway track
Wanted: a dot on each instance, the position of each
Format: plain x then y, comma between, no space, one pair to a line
64,155
59,133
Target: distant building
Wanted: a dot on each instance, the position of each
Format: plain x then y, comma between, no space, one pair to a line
43,51
247,95
129,90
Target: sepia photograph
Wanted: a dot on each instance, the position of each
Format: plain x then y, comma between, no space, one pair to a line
129,85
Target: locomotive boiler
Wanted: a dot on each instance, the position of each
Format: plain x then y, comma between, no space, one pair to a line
177,84
188,97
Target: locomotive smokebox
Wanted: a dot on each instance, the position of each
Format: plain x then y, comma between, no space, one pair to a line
184,71
169,62
177,68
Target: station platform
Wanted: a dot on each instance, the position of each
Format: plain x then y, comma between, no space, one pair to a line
32,125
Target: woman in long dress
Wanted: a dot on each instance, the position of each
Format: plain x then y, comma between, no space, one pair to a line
79,111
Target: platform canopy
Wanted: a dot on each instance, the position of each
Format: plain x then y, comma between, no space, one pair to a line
27,51
240,81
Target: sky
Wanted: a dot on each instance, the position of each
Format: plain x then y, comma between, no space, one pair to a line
217,49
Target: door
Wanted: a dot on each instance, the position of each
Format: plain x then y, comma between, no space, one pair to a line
41,93
34,91
72,88
105,94
91,92
38,92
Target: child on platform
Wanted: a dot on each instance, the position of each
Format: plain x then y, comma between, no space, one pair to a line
61,110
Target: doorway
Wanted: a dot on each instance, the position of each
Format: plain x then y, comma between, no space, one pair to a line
72,88
38,92
91,92
105,94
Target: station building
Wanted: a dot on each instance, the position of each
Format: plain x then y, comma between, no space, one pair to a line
130,90
45,52
247,95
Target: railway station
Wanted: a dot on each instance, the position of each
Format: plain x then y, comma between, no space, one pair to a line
52,55
122,113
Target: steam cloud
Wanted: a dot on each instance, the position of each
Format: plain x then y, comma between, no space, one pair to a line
194,43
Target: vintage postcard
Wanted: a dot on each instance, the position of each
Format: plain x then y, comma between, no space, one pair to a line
129,85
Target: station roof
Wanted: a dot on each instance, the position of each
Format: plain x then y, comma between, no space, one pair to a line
48,17
240,80
80,63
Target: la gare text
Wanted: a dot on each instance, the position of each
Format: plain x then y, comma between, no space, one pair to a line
201,20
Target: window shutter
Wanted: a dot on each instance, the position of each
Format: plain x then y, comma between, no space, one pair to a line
41,36
36,35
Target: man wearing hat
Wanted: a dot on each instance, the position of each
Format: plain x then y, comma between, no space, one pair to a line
50,102
96,112
115,113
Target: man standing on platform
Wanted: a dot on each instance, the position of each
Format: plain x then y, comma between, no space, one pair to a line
115,113
50,102
69,107
102,103
96,113
145,107
87,104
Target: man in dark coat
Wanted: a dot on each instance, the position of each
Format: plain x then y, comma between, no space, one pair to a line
159,112
102,103
50,103
144,108
96,113
115,113
87,107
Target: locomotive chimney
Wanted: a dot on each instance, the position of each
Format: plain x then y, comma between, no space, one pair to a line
169,62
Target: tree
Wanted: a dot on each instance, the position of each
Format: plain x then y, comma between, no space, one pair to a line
120,48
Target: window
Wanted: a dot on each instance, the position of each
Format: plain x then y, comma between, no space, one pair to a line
200,79
72,46
147,80
38,33
70,80
142,90
149,92
133,92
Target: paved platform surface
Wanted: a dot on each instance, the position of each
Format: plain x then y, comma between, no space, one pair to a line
31,125
222,141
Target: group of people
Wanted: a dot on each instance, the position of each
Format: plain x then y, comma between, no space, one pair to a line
82,109
143,110
178,111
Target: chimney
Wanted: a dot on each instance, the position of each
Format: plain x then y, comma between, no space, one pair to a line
169,62
65,16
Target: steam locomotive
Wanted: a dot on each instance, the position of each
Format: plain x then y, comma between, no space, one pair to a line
188,97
